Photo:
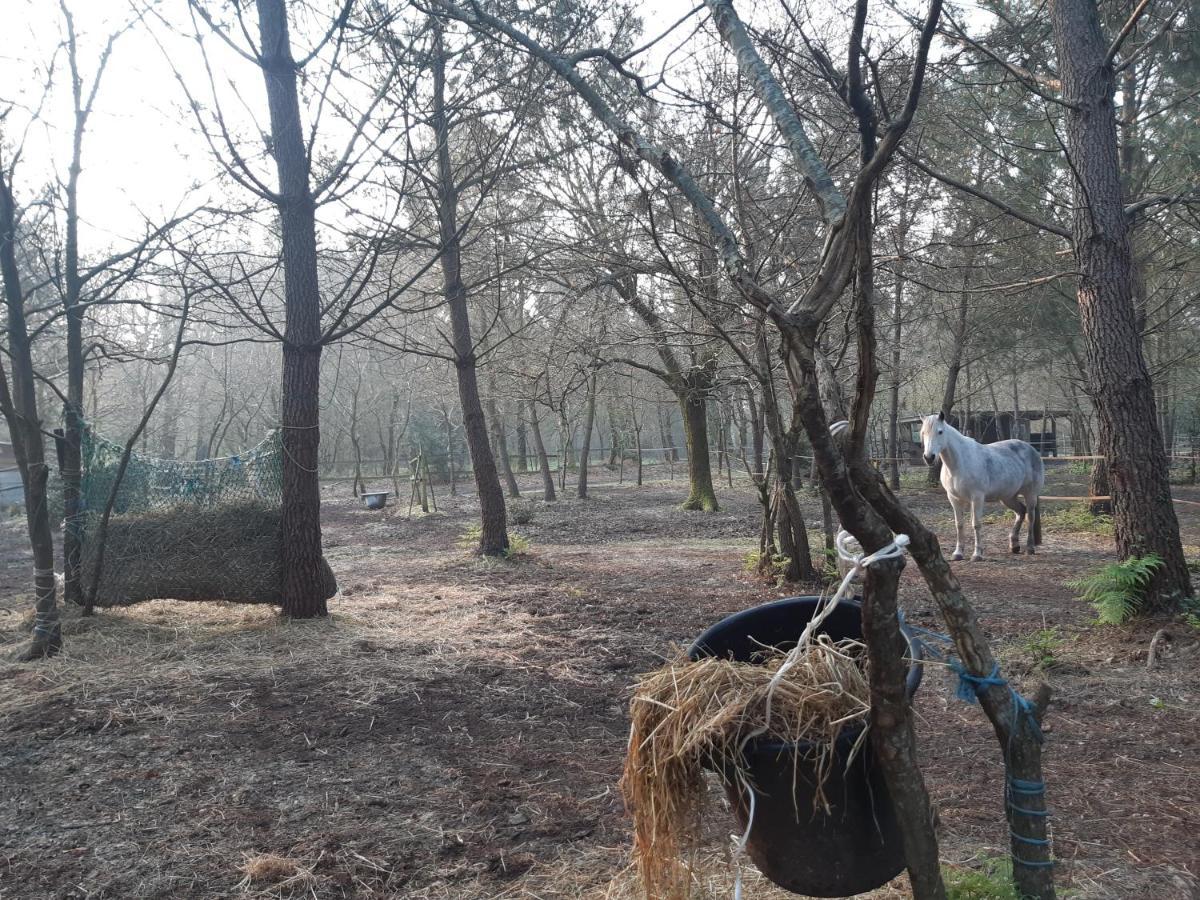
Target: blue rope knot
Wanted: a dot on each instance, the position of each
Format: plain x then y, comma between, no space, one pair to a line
971,686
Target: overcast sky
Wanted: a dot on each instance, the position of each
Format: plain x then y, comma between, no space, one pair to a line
142,157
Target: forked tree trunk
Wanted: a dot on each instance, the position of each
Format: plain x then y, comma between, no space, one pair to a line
307,579
1144,519
500,448
493,538
539,447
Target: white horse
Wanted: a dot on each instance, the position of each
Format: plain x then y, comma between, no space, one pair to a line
973,473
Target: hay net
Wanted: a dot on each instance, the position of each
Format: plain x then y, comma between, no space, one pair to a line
203,530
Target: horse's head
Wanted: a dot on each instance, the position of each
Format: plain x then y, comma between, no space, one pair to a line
933,436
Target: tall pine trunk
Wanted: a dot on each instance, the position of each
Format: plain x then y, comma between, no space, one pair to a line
493,537
1144,518
307,580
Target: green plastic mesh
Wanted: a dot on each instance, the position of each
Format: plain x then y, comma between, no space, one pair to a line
203,530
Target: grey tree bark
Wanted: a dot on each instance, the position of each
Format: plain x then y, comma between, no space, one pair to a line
1130,439
307,580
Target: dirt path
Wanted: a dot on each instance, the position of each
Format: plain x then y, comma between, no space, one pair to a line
456,729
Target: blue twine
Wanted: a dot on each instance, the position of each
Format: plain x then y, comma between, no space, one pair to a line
970,686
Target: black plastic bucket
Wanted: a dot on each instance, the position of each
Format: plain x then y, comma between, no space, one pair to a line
856,846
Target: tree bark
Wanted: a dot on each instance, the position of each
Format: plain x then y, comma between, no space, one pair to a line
493,538
958,337
589,422
500,448
307,580
20,411
539,447
693,404
1144,519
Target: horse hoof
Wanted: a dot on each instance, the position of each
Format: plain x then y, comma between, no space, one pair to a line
1016,549
956,557
1030,551
978,557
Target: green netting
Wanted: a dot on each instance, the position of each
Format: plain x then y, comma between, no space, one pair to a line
204,530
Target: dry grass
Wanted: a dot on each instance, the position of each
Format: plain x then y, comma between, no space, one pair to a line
690,715
275,875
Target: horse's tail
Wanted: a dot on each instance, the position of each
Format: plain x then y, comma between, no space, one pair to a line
1037,523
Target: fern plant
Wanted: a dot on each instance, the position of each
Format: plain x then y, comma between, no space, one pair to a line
1116,591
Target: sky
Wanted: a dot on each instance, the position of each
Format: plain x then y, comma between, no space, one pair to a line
143,159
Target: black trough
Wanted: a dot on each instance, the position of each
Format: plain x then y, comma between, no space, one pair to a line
854,848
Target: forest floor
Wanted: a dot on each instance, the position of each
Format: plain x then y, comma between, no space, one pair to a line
456,728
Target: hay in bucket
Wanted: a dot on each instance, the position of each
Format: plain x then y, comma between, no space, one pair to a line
691,715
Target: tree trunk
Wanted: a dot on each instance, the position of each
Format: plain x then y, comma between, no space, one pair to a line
307,579
614,443
539,447
500,448
1130,440
664,433
493,538
20,410
522,447
693,405
893,450
958,336
589,421
756,436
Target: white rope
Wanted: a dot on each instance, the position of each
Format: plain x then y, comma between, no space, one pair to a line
859,564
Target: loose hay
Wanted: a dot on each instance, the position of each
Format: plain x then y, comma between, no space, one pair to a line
690,715
270,870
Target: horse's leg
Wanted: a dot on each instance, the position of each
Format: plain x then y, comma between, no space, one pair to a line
960,516
977,525
1031,539
1014,536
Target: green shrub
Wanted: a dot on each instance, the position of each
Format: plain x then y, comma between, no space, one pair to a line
518,545
779,563
992,882
1191,612
1116,590
1043,645
1076,517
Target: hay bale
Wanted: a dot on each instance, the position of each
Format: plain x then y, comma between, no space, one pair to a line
231,551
